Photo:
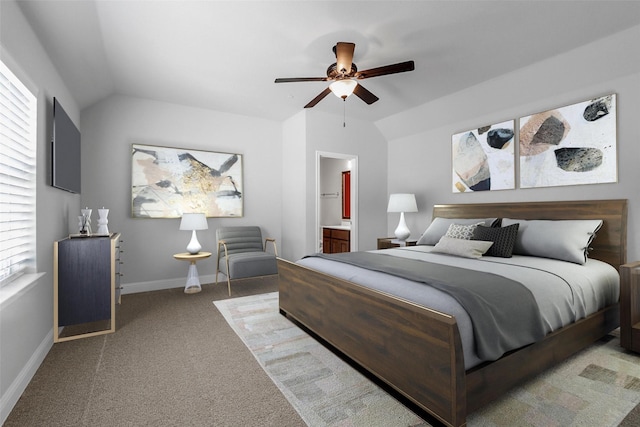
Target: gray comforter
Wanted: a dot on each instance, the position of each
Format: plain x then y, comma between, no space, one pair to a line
499,325
564,291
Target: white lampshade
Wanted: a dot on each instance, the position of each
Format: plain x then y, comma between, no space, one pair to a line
402,202
343,88
193,222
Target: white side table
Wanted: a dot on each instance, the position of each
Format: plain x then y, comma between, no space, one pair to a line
193,280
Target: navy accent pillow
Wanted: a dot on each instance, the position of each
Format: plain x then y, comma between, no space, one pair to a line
503,238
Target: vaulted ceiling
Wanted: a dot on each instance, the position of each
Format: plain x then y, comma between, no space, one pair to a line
225,55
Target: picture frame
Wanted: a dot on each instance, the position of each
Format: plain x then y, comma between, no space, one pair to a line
167,182
483,159
571,145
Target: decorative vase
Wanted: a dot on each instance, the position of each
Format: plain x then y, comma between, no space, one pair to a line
86,221
103,221
81,224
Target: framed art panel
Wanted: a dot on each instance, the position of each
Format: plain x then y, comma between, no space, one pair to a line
483,159
167,182
570,145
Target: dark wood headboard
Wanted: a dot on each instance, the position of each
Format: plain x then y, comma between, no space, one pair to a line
610,244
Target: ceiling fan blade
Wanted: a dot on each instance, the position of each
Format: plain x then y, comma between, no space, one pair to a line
400,67
318,98
344,57
301,79
364,94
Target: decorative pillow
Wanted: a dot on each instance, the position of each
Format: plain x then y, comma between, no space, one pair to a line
503,238
458,231
461,247
439,227
566,240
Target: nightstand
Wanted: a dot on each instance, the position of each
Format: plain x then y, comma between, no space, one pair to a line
392,242
630,306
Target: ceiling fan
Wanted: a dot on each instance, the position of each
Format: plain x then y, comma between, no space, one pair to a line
344,75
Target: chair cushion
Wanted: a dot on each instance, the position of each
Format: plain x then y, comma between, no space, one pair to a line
250,264
241,238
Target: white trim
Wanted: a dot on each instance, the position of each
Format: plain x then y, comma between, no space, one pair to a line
16,69
19,385
354,196
17,287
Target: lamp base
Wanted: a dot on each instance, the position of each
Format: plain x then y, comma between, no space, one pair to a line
194,246
402,233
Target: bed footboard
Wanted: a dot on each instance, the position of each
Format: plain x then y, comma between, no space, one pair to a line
415,350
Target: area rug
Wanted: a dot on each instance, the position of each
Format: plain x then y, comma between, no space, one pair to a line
597,387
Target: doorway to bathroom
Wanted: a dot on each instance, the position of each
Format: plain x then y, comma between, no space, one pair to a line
336,197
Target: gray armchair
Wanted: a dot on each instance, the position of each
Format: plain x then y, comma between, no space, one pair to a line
243,254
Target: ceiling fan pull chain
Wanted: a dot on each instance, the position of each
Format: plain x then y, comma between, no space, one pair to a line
344,112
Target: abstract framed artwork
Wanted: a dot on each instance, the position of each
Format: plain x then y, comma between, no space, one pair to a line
167,182
571,145
484,159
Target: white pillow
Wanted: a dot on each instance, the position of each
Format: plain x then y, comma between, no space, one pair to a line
439,227
566,240
462,247
458,231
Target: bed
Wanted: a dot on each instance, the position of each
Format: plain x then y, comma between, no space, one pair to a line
418,351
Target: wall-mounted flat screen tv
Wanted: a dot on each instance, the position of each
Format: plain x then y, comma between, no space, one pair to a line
65,151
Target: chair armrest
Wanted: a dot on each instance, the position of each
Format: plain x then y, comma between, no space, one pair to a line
270,240
224,246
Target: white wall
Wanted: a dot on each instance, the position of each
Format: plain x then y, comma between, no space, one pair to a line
420,140
360,138
111,126
294,184
309,132
26,319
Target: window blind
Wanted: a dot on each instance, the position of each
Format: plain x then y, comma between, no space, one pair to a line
18,127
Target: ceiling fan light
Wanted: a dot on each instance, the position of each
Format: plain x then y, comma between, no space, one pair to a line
343,88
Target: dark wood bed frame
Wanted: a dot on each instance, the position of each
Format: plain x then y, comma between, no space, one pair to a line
417,351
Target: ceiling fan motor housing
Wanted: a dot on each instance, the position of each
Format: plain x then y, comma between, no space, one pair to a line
333,73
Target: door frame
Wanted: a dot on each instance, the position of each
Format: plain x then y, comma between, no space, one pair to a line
354,197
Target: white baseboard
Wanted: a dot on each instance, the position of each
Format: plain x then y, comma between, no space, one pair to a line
157,285
19,385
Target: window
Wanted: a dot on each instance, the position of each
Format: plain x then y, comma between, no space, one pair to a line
18,126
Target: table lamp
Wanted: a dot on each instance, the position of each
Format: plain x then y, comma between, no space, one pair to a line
193,222
402,202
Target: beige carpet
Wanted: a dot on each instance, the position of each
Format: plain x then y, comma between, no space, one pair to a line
597,387
173,361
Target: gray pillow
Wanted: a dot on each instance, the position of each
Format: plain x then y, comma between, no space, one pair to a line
566,240
462,247
439,227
